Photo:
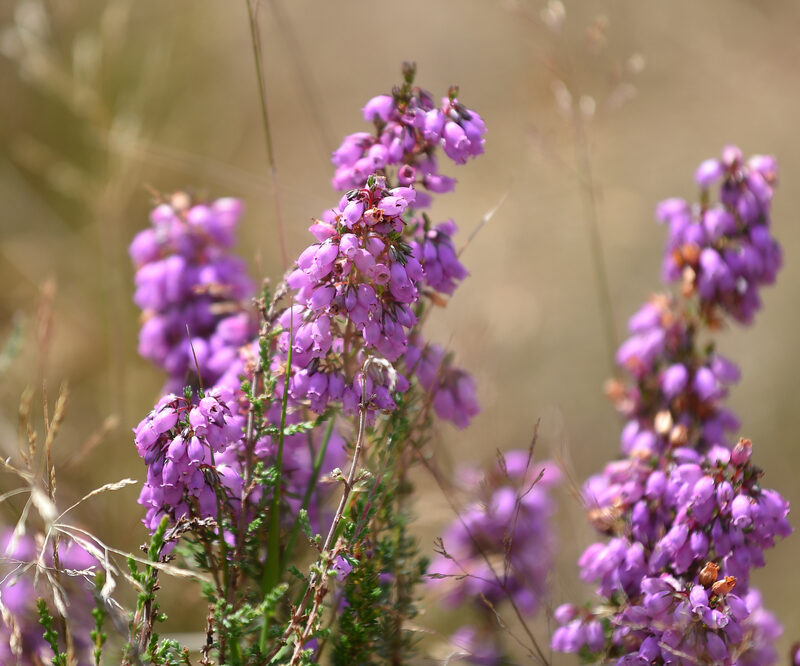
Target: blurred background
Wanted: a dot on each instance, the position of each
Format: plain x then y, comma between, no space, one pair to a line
595,109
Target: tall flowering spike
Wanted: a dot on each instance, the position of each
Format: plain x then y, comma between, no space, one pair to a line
502,546
191,287
685,511
359,288
21,634
409,127
675,387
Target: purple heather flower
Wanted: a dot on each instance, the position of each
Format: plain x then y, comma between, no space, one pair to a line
361,276
357,293
439,259
451,389
709,172
178,441
510,525
379,107
409,128
674,380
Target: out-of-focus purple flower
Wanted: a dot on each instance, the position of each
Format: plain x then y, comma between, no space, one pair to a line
21,634
190,288
475,648
794,655
502,545
452,391
442,269
724,250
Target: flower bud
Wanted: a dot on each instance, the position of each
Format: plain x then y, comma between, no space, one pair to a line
722,587
741,452
709,574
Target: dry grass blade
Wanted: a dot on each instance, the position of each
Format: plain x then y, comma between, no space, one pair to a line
5,464
26,432
484,220
47,510
12,493
177,572
110,424
58,418
108,487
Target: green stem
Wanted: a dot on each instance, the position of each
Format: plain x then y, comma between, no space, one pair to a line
312,483
236,653
223,546
272,567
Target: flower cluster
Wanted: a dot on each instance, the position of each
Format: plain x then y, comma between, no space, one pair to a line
178,442
675,519
358,288
355,291
685,509
196,453
694,623
501,547
190,287
409,128
724,251
21,635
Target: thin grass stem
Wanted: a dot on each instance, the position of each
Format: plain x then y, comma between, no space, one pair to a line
252,15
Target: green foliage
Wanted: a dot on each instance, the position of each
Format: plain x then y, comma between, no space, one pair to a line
386,562
97,635
167,652
142,635
241,623
50,634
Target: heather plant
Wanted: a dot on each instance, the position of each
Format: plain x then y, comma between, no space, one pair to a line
192,290
330,364
685,512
